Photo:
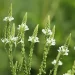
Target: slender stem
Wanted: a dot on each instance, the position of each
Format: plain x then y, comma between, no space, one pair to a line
11,57
43,63
23,55
56,65
30,58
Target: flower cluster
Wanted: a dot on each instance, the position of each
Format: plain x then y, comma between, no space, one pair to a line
23,26
33,39
54,62
51,41
5,40
8,19
64,50
11,39
47,31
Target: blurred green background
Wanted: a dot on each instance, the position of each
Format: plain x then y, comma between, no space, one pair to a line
62,14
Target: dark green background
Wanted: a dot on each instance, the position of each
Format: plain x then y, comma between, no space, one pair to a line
62,14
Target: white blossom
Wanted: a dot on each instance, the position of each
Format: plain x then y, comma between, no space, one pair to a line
11,39
8,18
36,39
47,31
5,40
64,50
33,39
14,39
54,62
21,41
51,41
59,62
23,26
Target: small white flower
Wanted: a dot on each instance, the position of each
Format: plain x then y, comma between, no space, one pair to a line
21,41
33,39
8,18
5,40
64,50
54,62
23,26
59,62
30,38
36,39
51,41
14,39
47,31
26,28
44,31
66,74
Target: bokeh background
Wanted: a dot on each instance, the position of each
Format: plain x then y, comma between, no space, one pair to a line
62,13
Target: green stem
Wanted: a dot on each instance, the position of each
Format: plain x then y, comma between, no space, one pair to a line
8,30
56,65
43,63
30,58
11,58
23,55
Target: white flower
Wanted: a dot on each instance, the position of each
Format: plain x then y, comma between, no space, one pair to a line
33,39
36,39
21,41
14,39
51,41
64,50
54,62
23,26
44,31
47,31
5,40
59,62
30,38
8,18
66,74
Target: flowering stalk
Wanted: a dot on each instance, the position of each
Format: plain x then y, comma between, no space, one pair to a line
63,50
10,39
21,30
10,57
33,40
15,68
49,41
56,66
8,19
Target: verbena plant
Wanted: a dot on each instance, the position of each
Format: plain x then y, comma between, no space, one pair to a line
10,40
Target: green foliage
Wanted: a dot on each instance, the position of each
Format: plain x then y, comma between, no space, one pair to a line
61,14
